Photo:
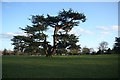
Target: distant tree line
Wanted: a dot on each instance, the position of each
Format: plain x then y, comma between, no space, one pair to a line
103,48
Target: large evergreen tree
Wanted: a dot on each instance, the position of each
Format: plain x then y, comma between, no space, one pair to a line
65,20
36,40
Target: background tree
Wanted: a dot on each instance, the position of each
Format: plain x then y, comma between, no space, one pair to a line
103,46
99,52
85,50
116,47
109,51
92,51
5,52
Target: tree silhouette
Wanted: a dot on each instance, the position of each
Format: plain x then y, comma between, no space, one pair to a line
65,20
85,50
5,52
36,40
116,47
108,51
103,46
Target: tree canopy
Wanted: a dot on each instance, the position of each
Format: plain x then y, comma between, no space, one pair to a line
36,40
65,20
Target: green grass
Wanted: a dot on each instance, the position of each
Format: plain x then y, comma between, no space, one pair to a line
83,66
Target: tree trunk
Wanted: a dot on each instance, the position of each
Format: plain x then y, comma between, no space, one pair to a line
45,47
54,41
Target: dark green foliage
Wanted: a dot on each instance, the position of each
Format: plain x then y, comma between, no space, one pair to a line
85,50
70,18
36,40
109,51
19,43
5,52
99,52
116,47
67,42
65,20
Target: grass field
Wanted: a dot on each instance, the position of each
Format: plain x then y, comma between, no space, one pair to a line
83,66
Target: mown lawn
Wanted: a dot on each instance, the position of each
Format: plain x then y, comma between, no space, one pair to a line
83,66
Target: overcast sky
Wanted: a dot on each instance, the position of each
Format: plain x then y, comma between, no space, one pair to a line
101,24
